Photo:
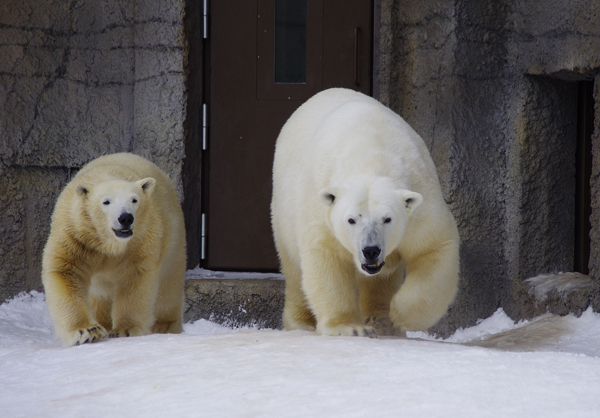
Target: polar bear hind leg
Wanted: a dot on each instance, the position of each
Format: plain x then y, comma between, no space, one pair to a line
129,319
296,312
375,296
169,315
169,304
102,308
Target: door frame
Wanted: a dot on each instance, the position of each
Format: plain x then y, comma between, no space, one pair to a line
197,29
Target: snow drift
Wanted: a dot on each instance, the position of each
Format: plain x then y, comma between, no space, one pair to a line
213,371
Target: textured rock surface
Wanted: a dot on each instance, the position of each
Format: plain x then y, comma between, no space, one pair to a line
491,87
235,303
27,197
595,217
79,79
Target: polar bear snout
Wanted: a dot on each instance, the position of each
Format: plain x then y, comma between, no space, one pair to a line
125,229
126,220
372,263
371,254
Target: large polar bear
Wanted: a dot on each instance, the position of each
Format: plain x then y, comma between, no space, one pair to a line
360,224
115,261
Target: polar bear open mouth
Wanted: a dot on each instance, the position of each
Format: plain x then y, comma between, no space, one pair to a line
372,268
123,233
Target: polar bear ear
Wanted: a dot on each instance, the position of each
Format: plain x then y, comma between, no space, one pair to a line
147,185
411,199
327,196
83,189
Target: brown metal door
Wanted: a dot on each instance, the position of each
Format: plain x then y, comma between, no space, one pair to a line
266,58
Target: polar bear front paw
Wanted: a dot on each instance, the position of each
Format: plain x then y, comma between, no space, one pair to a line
353,330
127,332
91,334
382,325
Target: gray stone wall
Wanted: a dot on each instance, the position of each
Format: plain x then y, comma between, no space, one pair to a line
79,79
491,87
595,217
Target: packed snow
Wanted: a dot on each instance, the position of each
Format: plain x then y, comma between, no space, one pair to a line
213,371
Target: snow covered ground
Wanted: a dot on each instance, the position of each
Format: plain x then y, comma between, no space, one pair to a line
211,371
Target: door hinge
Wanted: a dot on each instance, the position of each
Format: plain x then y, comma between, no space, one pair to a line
203,238
205,19
204,128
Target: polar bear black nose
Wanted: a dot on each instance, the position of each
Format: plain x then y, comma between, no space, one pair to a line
371,253
126,219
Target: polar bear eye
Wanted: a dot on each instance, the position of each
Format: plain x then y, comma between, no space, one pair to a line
134,200
106,202
387,220
351,221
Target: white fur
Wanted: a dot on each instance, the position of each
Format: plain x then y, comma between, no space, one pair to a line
365,214
123,198
343,156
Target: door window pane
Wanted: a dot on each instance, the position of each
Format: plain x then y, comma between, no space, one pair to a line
290,41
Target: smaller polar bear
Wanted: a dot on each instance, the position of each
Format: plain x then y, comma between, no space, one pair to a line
114,264
365,239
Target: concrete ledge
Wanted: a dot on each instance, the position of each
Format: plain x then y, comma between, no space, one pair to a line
254,299
560,294
236,302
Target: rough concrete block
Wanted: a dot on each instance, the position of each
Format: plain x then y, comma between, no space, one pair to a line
27,197
85,122
159,34
160,107
560,294
594,264
102,15
163,10
236,303
55,15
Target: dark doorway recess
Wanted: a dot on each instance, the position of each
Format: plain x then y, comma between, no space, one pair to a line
266,58
583,161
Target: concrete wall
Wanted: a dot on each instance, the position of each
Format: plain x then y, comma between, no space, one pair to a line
79,79
491,87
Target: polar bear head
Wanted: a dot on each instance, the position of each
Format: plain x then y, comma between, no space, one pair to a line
113,207
369,217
